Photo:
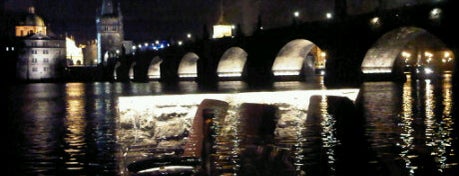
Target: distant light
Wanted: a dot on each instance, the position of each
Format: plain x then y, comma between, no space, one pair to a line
429,60
12,48
428,54
133,47
428,70
446,54
296,14
7,49
323,54
329,15
180,43
233,27
406,54
117,51
146,44
157,41
188,35
140,46
375,21
435,14
261,27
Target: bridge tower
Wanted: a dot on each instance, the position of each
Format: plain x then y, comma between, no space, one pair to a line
110,35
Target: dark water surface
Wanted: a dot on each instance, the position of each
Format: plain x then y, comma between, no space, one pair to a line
406,128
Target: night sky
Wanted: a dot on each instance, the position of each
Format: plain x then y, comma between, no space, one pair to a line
164,19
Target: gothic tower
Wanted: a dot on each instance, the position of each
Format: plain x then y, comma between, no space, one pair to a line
110,35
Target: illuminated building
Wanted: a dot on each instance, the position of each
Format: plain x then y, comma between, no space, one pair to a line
90,53
74,54
110,35
31,24
222,28
42,58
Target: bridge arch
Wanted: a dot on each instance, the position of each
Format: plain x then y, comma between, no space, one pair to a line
400,48
116,69
154,70
188,67
232,63
297,57
131,70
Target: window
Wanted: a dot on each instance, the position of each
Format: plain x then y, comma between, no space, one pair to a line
34,69
45,52
45,69
34,60
34,43
34,51
45,43
45,60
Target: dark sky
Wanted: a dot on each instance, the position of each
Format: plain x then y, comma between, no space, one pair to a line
160,19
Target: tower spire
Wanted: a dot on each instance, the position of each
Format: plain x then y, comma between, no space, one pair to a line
107,7
221,19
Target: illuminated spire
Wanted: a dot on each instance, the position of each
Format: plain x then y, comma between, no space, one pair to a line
221,19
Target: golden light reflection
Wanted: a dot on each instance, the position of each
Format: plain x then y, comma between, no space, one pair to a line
439,125
329,139
75,125
407,133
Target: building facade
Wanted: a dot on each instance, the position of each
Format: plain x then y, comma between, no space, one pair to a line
43,58
110,35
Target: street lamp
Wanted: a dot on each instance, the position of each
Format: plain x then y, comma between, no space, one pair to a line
329,15
296,14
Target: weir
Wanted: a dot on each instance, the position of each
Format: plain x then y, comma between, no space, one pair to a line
151,128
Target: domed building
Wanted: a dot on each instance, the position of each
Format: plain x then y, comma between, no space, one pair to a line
43,56
31,24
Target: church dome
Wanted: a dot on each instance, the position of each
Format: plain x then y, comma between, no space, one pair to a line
33,19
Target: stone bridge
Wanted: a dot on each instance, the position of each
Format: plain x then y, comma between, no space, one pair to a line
347,49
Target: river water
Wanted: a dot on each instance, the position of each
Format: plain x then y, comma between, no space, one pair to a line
70,128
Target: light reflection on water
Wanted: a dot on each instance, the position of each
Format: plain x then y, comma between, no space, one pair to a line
70,128
423,124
